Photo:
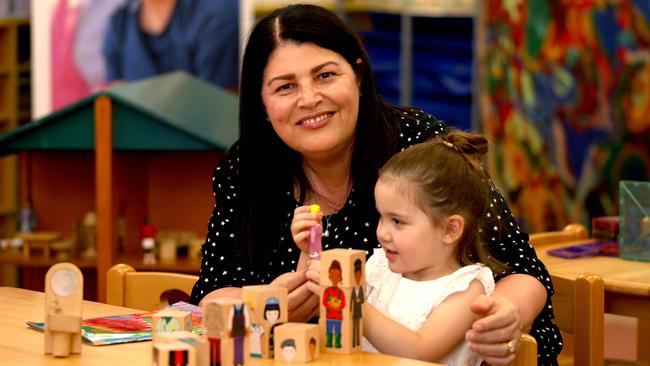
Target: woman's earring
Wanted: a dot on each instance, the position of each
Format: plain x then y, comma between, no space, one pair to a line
267,118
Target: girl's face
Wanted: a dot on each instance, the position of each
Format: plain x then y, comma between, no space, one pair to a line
413,245
311,96
272,315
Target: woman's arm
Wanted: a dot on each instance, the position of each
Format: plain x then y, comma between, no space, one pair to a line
514,305
521,293
443,330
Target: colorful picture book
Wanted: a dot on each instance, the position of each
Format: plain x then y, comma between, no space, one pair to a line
115,329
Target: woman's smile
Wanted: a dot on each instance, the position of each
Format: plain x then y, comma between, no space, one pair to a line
316,121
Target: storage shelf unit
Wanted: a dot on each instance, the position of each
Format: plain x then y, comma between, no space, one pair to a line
14,109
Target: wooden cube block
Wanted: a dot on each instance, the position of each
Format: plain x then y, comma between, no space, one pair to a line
173,353
268,303
170,321
340,320
345,266
296,342
269,308
200,344
227,325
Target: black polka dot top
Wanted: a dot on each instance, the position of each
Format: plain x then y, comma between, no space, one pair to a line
354,227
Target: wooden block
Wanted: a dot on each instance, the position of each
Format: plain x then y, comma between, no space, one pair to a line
200,344
269,308
341,328
173,353
350,265
296,342
227,325
268,303
63,303
170,321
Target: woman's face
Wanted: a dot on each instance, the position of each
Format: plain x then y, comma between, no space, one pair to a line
311,96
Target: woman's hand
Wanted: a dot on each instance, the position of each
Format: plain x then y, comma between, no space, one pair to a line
303,304
302,221
495,335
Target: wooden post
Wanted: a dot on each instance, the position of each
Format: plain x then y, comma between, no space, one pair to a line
106,238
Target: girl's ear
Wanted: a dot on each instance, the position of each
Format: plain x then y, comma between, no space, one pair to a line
453,229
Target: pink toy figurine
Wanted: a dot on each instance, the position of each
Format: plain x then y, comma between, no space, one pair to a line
315,237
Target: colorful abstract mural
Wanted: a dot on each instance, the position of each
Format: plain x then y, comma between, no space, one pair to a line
565,101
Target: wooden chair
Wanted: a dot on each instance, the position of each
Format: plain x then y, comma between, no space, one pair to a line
144,290
527,352
579,307
571,232
578,304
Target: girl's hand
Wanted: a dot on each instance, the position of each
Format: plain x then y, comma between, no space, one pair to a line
313,277
303,304
302,221
499,324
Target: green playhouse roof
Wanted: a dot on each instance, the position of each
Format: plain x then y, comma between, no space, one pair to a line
169,112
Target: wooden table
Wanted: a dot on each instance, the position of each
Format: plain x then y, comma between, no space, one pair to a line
20,345
627,286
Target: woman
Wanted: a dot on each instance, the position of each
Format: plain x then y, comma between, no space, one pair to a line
313,130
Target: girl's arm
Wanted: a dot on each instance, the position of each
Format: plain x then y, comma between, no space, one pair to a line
443,330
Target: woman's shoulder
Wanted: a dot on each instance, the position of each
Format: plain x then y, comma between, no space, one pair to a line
417,125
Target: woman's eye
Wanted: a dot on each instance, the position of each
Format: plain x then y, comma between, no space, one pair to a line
284,87
397,222
325,75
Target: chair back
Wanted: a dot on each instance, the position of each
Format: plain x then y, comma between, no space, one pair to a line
527,352
571,232
579,307
144,290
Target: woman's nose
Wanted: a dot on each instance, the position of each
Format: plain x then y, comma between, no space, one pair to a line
309,95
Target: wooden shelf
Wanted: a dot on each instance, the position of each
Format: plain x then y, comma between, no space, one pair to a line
10,256
11,67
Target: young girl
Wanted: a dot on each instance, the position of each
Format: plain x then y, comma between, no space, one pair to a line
420,284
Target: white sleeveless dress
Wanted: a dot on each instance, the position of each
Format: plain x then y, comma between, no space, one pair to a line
394,296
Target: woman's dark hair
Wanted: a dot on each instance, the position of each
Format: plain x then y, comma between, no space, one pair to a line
267,165
448,179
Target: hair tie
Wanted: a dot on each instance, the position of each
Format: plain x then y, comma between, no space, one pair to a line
452,146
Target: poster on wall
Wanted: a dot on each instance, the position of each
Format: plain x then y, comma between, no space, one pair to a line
565,100
67,37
